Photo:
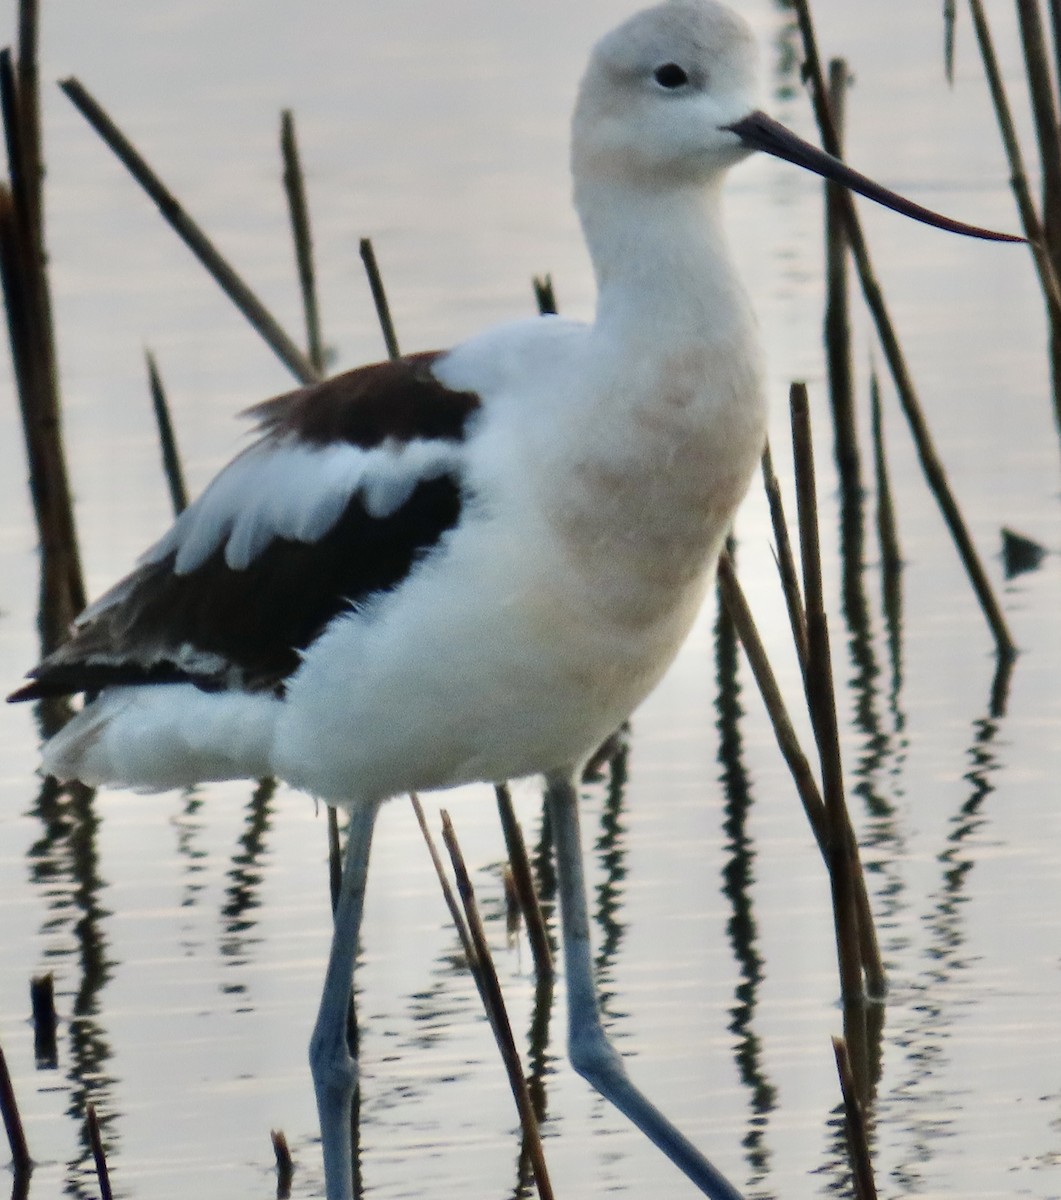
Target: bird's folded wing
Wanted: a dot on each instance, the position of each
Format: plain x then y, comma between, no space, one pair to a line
352,482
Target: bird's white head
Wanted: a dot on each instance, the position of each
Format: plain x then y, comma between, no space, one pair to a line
668,100
658,93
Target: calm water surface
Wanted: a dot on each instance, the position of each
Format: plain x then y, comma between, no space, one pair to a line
187,933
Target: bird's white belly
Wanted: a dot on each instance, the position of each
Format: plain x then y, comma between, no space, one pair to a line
448,683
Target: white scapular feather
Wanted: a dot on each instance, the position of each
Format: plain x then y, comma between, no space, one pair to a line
297,491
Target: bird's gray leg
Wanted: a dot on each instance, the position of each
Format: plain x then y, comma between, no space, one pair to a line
592,1055
334,1070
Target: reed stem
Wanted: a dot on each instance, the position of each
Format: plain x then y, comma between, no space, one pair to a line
295,189
821,701
379,298
99,1154
171,463
21,1162
837,320
1045,263
23,272
786,563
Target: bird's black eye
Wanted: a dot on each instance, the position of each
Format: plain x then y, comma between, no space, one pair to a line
670,76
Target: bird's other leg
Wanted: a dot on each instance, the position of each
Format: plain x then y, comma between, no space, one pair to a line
592,1055
334,1070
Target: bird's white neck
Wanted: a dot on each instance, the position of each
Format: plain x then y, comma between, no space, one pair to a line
662,264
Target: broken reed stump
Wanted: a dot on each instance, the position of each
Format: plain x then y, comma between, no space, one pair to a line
285,1165
545,295
45,1021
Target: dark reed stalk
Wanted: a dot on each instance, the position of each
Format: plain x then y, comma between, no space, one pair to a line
295,188
285,1164
192,235
167,439
23,270
477,952
1033,231
1055,25
455,913
855,1123
1029,217
842,859
842,848
821,703
1044,110
379,298
21,1162
545,296
523,883
930,461
30,113
950,20
45,1021
99,1155
837,322
786,563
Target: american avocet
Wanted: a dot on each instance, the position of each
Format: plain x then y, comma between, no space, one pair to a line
471,565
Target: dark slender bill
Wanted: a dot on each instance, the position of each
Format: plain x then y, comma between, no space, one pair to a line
759,132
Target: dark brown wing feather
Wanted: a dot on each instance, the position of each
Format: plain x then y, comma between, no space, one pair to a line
400,400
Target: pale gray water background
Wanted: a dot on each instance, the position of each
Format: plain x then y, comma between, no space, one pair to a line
188,933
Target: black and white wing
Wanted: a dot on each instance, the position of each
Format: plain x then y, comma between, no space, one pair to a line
351,483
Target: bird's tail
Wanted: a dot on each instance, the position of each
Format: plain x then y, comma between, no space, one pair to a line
157,737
